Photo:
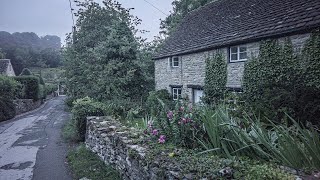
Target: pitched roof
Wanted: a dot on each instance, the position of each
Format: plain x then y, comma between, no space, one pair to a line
4,63
226,22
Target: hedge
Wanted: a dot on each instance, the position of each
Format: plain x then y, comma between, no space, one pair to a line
8,91
31,87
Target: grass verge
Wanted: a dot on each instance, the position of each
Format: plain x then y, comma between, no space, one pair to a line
85,163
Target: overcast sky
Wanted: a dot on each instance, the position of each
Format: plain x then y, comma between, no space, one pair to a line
53,17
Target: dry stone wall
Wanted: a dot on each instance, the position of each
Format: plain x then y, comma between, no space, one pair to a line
117,145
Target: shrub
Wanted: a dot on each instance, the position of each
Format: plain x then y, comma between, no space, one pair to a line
26,72
82,108
30,87
156,100
180,126
271,80
215,79
42,92
8,92
50,88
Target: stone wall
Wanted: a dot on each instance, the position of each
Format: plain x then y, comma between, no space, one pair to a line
191,70
117,145
25,105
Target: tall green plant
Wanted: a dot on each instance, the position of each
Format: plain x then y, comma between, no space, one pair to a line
271,80
215,79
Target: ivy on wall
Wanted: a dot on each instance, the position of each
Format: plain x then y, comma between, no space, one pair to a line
215,79
278,81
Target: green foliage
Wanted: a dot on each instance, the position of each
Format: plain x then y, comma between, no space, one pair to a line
30,87
50,88
309,94
82,108
26,72
180,126
155,101
279,82
271,80
294,146
266,171
28,50
8,92
2,54
104,64
69,132
85,163
208,166
215,79
42,92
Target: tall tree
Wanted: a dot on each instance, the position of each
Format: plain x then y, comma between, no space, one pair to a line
101,57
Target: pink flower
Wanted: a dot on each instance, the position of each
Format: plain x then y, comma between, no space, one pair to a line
155,132
181,108
162,139
170,114
184,120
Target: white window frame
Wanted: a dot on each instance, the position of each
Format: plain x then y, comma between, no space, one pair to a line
238,54
172,61
175,91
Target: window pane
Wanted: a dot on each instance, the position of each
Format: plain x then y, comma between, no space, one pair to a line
234,57
176,62
243,55
243,49
234,49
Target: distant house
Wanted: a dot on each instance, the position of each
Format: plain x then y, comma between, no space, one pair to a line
6,68
234,28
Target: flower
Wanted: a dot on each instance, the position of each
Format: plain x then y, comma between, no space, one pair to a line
184,120
181,108
155,132
171,154
170,114
162,139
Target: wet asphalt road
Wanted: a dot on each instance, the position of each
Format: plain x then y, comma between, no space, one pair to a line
31,146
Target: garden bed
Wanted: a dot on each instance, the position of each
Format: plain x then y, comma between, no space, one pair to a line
136,156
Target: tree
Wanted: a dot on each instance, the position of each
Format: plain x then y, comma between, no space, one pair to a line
2,54
101,59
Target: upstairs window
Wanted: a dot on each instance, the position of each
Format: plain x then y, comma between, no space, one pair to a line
174,61
238,53
176,93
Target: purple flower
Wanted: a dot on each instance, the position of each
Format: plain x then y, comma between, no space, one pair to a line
170,114
162,139
155,132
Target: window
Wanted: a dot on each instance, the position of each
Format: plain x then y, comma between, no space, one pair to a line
197,96
238,53
174,61
176,93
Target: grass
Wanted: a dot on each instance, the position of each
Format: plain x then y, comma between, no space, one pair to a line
85,163
69,132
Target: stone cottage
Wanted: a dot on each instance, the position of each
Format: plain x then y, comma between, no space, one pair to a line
234,28
6,67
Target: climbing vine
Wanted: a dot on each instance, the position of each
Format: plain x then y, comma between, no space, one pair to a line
278,81
215,79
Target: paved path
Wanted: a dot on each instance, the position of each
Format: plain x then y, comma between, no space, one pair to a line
31,146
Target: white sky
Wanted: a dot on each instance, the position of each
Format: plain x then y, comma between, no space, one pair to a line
53,17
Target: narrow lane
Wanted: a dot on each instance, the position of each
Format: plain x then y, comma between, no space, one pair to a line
31,146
